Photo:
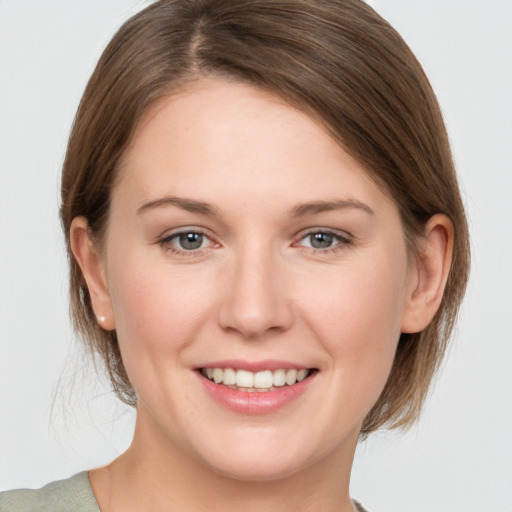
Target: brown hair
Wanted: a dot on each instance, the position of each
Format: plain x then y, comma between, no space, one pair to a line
335,59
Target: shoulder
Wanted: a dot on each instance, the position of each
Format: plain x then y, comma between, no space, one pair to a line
359,507
71,495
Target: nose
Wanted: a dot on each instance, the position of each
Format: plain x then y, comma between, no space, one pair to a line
255,301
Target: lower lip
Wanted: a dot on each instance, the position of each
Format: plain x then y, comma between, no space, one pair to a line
257,402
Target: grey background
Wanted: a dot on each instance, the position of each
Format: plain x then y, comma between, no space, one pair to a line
57,417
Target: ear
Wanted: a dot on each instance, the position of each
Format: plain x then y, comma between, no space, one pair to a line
92,265
429,274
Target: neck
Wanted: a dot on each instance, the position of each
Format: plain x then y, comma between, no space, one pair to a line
156,475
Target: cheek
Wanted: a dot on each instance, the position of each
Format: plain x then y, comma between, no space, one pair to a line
158,309
357,308
356,314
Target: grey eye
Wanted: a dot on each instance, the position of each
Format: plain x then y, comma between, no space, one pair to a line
190,241
321,240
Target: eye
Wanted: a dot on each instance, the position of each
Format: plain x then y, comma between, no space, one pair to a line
190,241
186,241
322,239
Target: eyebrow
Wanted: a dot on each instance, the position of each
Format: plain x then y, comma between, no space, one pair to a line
325,206
190,205
300,210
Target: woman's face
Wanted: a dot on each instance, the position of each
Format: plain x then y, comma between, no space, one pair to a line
244,243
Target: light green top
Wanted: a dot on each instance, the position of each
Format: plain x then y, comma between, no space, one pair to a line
71,495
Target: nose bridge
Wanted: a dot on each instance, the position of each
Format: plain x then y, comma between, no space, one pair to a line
256,300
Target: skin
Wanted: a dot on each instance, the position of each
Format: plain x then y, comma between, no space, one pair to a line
255,290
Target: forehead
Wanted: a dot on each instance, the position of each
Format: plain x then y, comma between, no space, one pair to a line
217,138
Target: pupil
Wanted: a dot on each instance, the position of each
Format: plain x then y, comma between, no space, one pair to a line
321,240
191,240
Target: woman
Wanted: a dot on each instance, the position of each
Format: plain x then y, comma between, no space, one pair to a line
267,247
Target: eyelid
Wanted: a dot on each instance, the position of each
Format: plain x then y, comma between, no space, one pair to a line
345,238
165,240
331,231
168,233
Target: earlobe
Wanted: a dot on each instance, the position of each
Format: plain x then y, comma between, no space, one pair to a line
432,268
91,263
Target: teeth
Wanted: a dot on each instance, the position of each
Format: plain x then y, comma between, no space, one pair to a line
279,378
263,379
218,375
229,376
301,375
291,377
244,380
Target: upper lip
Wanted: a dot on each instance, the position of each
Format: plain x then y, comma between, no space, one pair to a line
254,366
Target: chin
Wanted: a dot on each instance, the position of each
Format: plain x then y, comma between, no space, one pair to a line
273,460
268,469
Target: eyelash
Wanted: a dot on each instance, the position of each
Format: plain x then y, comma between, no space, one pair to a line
342,241
166,242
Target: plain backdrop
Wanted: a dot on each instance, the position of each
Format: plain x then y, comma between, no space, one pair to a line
57,417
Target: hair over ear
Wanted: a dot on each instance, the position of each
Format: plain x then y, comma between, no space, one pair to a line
433,262
91,264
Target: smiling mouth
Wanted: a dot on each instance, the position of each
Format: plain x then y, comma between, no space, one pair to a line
254,382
